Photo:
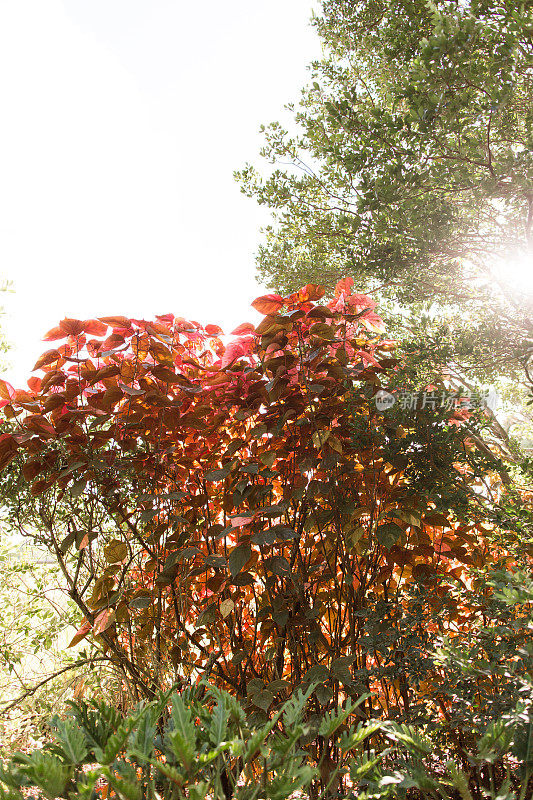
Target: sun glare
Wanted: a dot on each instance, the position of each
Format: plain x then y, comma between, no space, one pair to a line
516,271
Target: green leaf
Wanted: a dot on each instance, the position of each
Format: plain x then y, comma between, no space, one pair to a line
72,739
340,669
268,458
217,474
219,723
316,674
388,534
238,558
182,736
142,601
115,743
78,487
278,565
263,699
142,737
46,772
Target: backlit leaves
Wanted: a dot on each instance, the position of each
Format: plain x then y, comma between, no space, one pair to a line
234,498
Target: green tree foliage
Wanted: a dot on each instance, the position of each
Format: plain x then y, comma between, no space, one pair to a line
412,169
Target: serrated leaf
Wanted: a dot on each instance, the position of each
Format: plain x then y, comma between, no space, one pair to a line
219,723
72,739
182,736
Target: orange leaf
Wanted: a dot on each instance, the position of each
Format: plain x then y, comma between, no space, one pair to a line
268,303
95,327
246,327
344,286
313,291
81,633
6,390
34,384
54,333
46,359
116,322
72,327
103,621
165,374
213,330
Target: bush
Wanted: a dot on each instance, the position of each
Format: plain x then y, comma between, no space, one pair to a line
195,744
200,744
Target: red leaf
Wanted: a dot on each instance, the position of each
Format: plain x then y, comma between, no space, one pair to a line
116,322
246,327
166,319
94,327
372,322
344,286
367,358
40,425
234,350
34,384
46,359
6,390
313,291
213,330
38,488
268,303
238,522
103,621
54,333
72,327
360,301
8,449
81,633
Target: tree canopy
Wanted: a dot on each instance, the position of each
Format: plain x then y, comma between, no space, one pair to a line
411,167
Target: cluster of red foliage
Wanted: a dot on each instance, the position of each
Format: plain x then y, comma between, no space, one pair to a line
230,508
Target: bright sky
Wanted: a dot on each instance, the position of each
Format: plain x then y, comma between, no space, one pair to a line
122,123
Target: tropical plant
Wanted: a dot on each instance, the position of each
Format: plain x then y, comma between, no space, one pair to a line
196,744
482,743
200,743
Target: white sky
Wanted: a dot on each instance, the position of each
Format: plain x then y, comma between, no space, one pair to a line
121,124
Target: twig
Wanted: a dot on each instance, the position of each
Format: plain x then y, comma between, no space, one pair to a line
37,686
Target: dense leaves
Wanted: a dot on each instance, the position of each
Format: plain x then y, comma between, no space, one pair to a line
411,167
255,517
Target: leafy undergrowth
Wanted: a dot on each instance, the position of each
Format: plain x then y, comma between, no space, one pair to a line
199,744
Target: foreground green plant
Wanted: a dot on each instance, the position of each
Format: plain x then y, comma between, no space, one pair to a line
195,744
199,744
499,767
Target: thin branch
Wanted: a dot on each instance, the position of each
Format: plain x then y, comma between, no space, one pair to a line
51,677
